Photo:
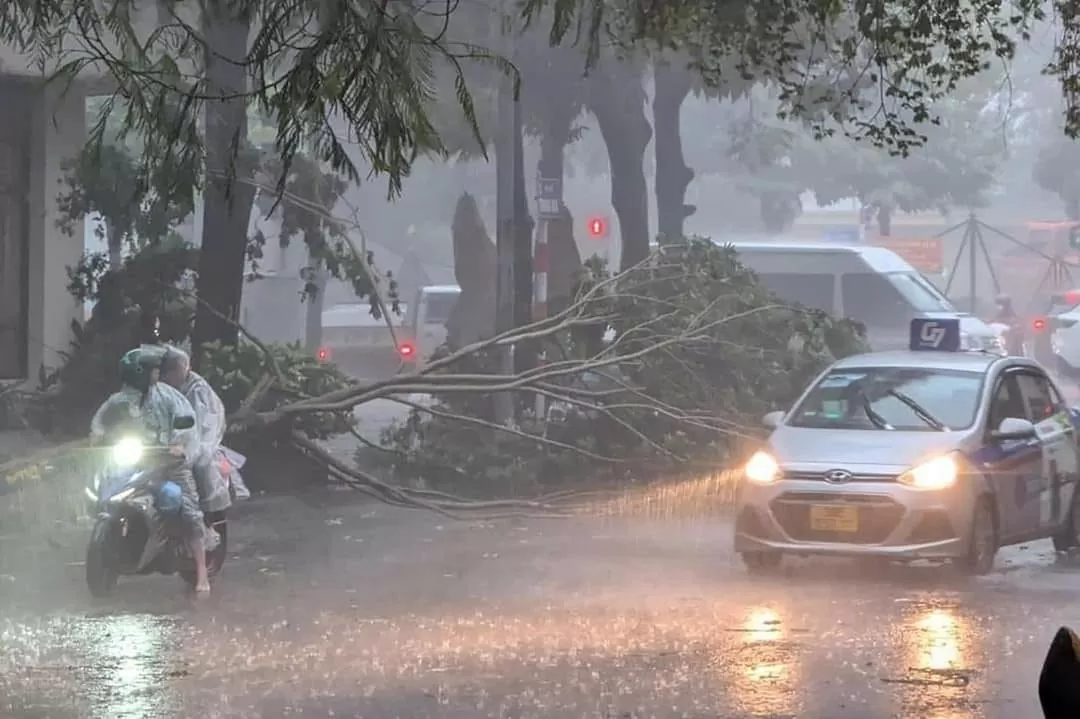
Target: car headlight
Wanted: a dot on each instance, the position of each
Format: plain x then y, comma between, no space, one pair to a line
127,452
762,468
937,473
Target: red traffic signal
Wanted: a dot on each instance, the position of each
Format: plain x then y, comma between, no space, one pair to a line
323,354
597,227
1038,324
407,350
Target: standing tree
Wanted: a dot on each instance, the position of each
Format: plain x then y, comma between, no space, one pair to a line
617,100
229,193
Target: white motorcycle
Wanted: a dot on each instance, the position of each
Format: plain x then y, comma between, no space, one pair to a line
136,530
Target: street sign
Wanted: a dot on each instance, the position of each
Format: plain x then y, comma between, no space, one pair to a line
926,254
550,188
549,197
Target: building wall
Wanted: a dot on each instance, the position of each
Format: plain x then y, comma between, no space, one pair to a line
58,132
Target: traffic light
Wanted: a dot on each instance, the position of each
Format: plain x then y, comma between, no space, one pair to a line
406,350
597,227
1074,237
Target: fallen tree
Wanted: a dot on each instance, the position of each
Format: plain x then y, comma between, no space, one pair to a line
695,352
659,371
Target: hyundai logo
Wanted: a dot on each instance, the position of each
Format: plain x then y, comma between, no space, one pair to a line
838,476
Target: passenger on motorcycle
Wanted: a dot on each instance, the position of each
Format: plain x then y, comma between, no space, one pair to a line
156,405
210,422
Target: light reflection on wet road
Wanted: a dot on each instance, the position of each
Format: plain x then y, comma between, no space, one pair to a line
389,613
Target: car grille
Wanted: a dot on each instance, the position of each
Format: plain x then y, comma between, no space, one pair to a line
878,516
820,477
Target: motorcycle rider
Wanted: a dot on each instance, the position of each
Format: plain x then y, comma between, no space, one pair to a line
210,422
156,405
1006,315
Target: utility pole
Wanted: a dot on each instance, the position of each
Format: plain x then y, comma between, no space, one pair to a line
508,121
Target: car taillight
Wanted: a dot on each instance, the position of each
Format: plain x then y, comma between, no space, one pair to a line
407,350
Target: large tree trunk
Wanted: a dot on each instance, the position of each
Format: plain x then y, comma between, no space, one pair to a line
617,100
229,193
672,85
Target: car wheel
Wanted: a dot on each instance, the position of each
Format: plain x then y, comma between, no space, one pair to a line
983,542
1068,536
760,562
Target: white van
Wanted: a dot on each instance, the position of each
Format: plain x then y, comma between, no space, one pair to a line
426,321
868,284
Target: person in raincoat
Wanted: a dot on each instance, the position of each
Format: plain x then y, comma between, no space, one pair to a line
156,406
213,471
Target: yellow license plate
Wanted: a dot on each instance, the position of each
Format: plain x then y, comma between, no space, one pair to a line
833,518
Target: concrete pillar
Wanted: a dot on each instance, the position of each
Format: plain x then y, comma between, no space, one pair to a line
57,134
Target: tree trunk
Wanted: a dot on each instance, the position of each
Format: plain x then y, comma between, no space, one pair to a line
115,243
884,220
229,193
618,102
672,85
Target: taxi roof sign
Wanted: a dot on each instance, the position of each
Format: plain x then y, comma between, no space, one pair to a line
929,335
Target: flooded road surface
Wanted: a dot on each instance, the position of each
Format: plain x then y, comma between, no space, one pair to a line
360,610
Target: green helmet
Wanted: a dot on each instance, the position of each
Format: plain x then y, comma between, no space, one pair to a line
136,367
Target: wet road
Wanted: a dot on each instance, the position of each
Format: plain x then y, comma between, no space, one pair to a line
330,608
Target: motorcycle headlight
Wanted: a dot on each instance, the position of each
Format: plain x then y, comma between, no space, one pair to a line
127,452
762,468
937,473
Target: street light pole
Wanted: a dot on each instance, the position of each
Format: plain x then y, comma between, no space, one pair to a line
508,122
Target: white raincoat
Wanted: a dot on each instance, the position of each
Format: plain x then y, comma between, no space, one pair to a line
162,406
157,412
210,421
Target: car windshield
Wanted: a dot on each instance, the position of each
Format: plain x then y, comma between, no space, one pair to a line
922,295
438,306
840,400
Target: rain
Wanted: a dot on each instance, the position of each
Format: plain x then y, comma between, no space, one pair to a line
520,317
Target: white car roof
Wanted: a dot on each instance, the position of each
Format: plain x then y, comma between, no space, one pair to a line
879,259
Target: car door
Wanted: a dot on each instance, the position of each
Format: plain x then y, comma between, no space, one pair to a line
1058,438
1013,466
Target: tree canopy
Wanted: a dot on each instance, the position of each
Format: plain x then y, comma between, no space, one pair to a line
362,73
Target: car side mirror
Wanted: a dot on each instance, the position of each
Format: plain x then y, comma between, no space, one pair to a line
1014,428
773,419
183,423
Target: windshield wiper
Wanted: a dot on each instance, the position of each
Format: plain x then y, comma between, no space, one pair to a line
919,410
876,419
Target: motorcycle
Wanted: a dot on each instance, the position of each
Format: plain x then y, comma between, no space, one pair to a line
136,530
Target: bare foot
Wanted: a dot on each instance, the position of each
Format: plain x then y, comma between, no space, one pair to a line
202,588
